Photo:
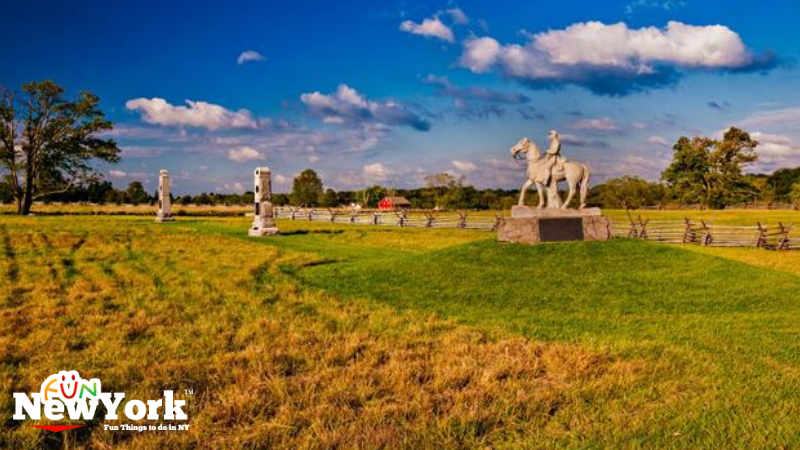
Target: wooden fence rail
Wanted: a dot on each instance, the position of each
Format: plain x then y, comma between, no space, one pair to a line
688,231
457,219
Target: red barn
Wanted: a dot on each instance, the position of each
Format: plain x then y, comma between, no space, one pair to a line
391,203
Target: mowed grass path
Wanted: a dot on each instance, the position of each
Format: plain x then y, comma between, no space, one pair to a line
339,336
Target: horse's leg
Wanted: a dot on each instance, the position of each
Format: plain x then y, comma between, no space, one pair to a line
585,175
572,182
522,191
539,190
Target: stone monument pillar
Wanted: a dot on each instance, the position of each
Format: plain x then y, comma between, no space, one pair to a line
263,220
164,213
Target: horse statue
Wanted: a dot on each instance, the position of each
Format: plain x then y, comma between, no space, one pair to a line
563,169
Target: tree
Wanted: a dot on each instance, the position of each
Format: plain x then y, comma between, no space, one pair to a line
330,199
795,195
782,180
307,189
47,141
136,193
442,186
709,171
629,192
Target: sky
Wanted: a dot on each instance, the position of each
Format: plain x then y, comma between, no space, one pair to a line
387,92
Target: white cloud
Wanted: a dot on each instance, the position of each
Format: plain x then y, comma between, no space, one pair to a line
596,124
431,27
313,158
348,106
249,55
458,16
117,173
464,166
234,187
280,179
613,59
197,114
243,154
658,140
772,117
376,172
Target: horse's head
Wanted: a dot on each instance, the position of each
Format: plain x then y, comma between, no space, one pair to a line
521,146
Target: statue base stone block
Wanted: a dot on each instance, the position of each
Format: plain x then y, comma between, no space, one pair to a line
161,218
532,226
261,232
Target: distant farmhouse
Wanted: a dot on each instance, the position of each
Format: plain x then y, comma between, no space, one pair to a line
391,203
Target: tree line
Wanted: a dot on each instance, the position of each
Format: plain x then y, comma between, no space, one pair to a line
48,144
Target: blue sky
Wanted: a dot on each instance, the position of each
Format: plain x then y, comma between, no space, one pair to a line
387,92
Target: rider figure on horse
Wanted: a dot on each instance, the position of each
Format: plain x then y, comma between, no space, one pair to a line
553,156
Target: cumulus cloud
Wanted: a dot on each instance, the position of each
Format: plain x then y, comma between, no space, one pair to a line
474,92
196,114
614,59
244,154
458,16
431,27
658,140
775,151
464,166
596,124
570,139
348,106
772,118
117,173
376,172
249,55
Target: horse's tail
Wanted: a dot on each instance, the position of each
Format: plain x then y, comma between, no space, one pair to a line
585,185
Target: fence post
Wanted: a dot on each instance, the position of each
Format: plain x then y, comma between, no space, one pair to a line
431,220
761,240
462,220
497,220
783,244
707,237
687,235
643,228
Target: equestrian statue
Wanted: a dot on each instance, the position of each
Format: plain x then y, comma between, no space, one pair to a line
546,171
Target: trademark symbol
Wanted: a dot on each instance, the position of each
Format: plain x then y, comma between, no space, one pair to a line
188,391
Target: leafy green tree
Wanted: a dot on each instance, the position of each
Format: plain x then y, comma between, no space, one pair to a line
444,188
628,192
307,189
782,180
795,195
47,141
372,195
136,193
330,199
710,171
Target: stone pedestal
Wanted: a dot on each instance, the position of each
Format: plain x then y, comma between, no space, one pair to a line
531,226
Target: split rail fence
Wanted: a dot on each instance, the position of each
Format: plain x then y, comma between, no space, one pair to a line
686,231
700,232
420,219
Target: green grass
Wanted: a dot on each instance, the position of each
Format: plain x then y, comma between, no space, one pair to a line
351,336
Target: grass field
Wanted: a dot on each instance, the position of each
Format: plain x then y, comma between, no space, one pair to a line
335,336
